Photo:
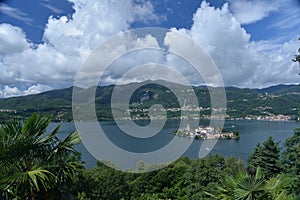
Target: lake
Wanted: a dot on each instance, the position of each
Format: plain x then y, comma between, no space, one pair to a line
251,133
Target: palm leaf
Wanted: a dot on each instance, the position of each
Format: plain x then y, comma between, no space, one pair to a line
34,160
278,185
35,126
28,182
68,143
48,138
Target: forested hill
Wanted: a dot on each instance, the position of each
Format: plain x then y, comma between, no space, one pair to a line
281,89
241,103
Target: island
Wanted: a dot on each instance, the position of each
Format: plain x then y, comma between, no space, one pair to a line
207,132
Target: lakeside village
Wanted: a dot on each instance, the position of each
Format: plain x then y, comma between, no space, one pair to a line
194,114
207,132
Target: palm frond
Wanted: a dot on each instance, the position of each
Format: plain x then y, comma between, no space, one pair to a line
26,183
68,143
48,139
36,125
34,160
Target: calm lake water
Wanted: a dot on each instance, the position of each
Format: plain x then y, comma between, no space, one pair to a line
251,133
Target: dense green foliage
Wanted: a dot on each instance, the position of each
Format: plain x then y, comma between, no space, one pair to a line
184,179
213,177
253,187
282,99
266,157
270,175
35,164
291,159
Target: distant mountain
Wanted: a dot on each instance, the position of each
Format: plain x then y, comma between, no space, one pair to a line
61,97
281,99
281,89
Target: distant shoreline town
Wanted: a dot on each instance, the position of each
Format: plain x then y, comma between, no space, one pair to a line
193,113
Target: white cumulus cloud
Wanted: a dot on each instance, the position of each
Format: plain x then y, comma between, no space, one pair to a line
250,11
11,91
27,68
12,39
67,42
242,62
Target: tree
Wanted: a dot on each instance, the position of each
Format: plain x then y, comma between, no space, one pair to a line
254,160
203,175
267,157
297,57
245,186
291,159
37,164
140,166
103,182
233,166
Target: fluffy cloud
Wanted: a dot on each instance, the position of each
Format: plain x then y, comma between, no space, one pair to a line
242,62
12,39
145,12
8,91
67,42
113,58
250,11
28,68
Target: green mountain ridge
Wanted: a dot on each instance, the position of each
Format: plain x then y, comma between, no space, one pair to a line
241,102
280,89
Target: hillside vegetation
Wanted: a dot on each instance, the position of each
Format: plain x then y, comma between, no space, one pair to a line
241,103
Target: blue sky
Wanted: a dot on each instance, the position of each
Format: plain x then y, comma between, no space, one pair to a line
249,28
32,17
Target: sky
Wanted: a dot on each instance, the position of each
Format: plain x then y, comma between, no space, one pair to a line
43,43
